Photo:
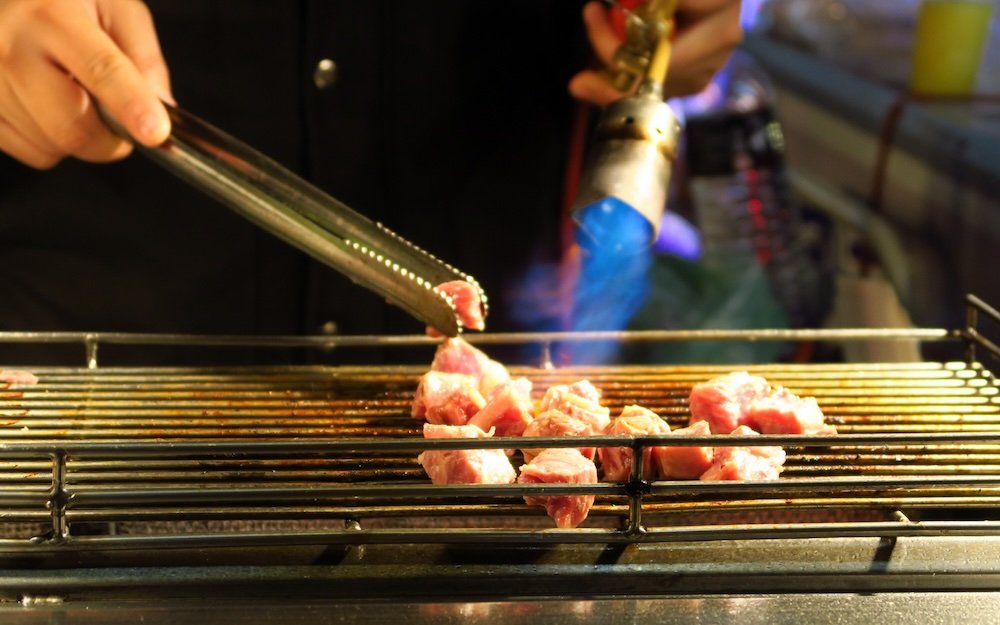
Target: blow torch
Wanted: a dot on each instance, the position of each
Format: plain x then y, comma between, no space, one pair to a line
624,183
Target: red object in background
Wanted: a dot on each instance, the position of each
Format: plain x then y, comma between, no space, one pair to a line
578,131
574,167
618,15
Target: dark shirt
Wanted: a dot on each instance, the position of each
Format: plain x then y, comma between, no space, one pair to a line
448,121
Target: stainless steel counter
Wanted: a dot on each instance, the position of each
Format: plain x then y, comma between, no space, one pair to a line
815,609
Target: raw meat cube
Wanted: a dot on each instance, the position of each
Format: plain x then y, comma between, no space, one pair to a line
562,466
595,415
556,423
581,388
465,466
492,374
447,398
745,463
12,376
508,409
616,462
685,463
741,399
783,412
457,356
722,401
579,400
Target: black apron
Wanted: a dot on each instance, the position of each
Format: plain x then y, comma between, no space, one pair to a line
447,121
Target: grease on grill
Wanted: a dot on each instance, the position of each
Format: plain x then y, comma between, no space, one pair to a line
317,403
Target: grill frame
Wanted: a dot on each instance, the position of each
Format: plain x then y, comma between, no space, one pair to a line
66,504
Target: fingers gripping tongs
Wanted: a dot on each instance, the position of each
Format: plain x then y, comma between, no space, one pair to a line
282,203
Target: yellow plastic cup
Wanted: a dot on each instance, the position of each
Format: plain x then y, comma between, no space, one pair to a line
949,45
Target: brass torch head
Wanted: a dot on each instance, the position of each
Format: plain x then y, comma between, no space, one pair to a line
645,27
625,180
631,157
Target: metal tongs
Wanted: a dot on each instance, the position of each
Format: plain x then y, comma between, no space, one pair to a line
287,206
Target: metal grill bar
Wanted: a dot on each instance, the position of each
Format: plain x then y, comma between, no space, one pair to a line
975,308
460,536
173,457
277,511
185,445
506,338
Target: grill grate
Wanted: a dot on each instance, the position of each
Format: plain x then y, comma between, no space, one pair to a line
128,457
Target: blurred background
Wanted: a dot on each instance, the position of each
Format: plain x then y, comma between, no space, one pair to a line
842,171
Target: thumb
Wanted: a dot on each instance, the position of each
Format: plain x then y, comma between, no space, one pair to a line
600,32
591,86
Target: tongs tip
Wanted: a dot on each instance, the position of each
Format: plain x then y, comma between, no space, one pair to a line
468,301
301,214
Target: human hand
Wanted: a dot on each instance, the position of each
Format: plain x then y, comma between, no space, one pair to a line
707,33
57,57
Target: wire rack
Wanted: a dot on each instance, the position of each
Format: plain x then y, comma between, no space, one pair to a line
140,458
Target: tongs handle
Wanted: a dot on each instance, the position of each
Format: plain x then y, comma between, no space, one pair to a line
282,203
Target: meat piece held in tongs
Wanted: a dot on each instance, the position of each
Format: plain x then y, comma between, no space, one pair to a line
279,201
466,297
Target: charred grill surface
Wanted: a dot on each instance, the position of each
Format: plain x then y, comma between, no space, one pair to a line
172,457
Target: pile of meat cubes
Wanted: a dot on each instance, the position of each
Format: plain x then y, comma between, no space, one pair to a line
468,395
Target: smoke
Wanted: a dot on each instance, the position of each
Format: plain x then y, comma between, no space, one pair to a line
600,284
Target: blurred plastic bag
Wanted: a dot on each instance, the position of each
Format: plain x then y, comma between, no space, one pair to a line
989,67
872,39
734,294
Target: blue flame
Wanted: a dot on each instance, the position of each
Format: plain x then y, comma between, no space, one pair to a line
611,227
613,281
604,281
678,237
